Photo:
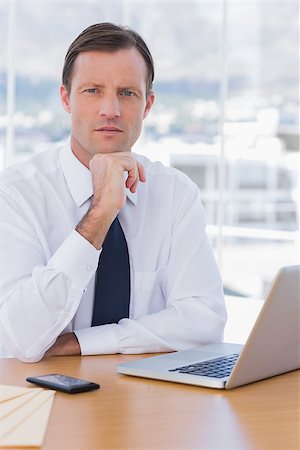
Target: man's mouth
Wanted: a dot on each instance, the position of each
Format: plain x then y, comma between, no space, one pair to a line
109,131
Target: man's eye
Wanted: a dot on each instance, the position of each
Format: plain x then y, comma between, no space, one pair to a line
127,93
91,90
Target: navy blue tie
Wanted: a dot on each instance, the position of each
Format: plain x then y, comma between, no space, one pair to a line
112,291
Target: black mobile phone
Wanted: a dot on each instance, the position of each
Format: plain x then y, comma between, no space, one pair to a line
63,383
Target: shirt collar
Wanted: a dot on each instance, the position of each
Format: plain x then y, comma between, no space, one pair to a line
78,177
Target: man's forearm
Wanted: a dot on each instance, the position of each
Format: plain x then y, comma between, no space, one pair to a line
94,227
66,344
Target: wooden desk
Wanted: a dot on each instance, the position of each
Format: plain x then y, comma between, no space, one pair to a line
137,414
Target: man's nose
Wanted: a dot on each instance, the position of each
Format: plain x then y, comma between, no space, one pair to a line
109,107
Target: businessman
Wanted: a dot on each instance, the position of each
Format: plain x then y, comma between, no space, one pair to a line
103,251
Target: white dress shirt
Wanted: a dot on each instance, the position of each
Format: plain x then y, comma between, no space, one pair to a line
48,269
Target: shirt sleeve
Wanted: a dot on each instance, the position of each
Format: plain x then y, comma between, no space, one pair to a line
195,311
38,297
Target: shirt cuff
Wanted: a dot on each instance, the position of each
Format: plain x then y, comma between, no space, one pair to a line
77,258
99,340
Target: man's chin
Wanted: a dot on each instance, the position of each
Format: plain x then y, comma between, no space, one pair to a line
109,149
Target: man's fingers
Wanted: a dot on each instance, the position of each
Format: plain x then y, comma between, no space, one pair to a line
136,174
142,175
134,186
133,177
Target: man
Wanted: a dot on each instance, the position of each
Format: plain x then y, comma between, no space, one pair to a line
156,287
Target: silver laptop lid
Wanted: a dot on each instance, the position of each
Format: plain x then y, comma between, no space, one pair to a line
273,346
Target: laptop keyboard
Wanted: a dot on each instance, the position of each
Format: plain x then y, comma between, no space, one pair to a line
217,368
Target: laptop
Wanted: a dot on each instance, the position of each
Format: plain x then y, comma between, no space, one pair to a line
272,348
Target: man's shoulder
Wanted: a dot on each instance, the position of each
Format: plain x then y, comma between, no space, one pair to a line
40,164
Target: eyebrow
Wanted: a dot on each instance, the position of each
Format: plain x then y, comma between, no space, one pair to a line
88,85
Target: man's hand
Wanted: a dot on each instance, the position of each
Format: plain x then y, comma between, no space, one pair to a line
66,344
107,172
109,189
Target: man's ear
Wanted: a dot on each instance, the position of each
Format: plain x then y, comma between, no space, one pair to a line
65,99
149,103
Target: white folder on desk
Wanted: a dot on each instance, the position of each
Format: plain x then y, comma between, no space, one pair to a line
24,414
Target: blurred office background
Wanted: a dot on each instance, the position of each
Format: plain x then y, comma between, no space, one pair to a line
226,112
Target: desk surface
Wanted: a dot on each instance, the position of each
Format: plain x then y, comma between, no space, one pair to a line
136,413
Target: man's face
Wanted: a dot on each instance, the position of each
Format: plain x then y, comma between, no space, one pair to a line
107,102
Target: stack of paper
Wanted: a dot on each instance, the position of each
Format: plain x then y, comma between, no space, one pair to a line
24,415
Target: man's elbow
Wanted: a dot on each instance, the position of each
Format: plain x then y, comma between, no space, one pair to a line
27,356
22,353
23,357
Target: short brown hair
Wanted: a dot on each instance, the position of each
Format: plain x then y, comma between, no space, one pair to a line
106,37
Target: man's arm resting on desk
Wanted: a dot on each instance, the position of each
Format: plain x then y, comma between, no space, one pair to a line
66,344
